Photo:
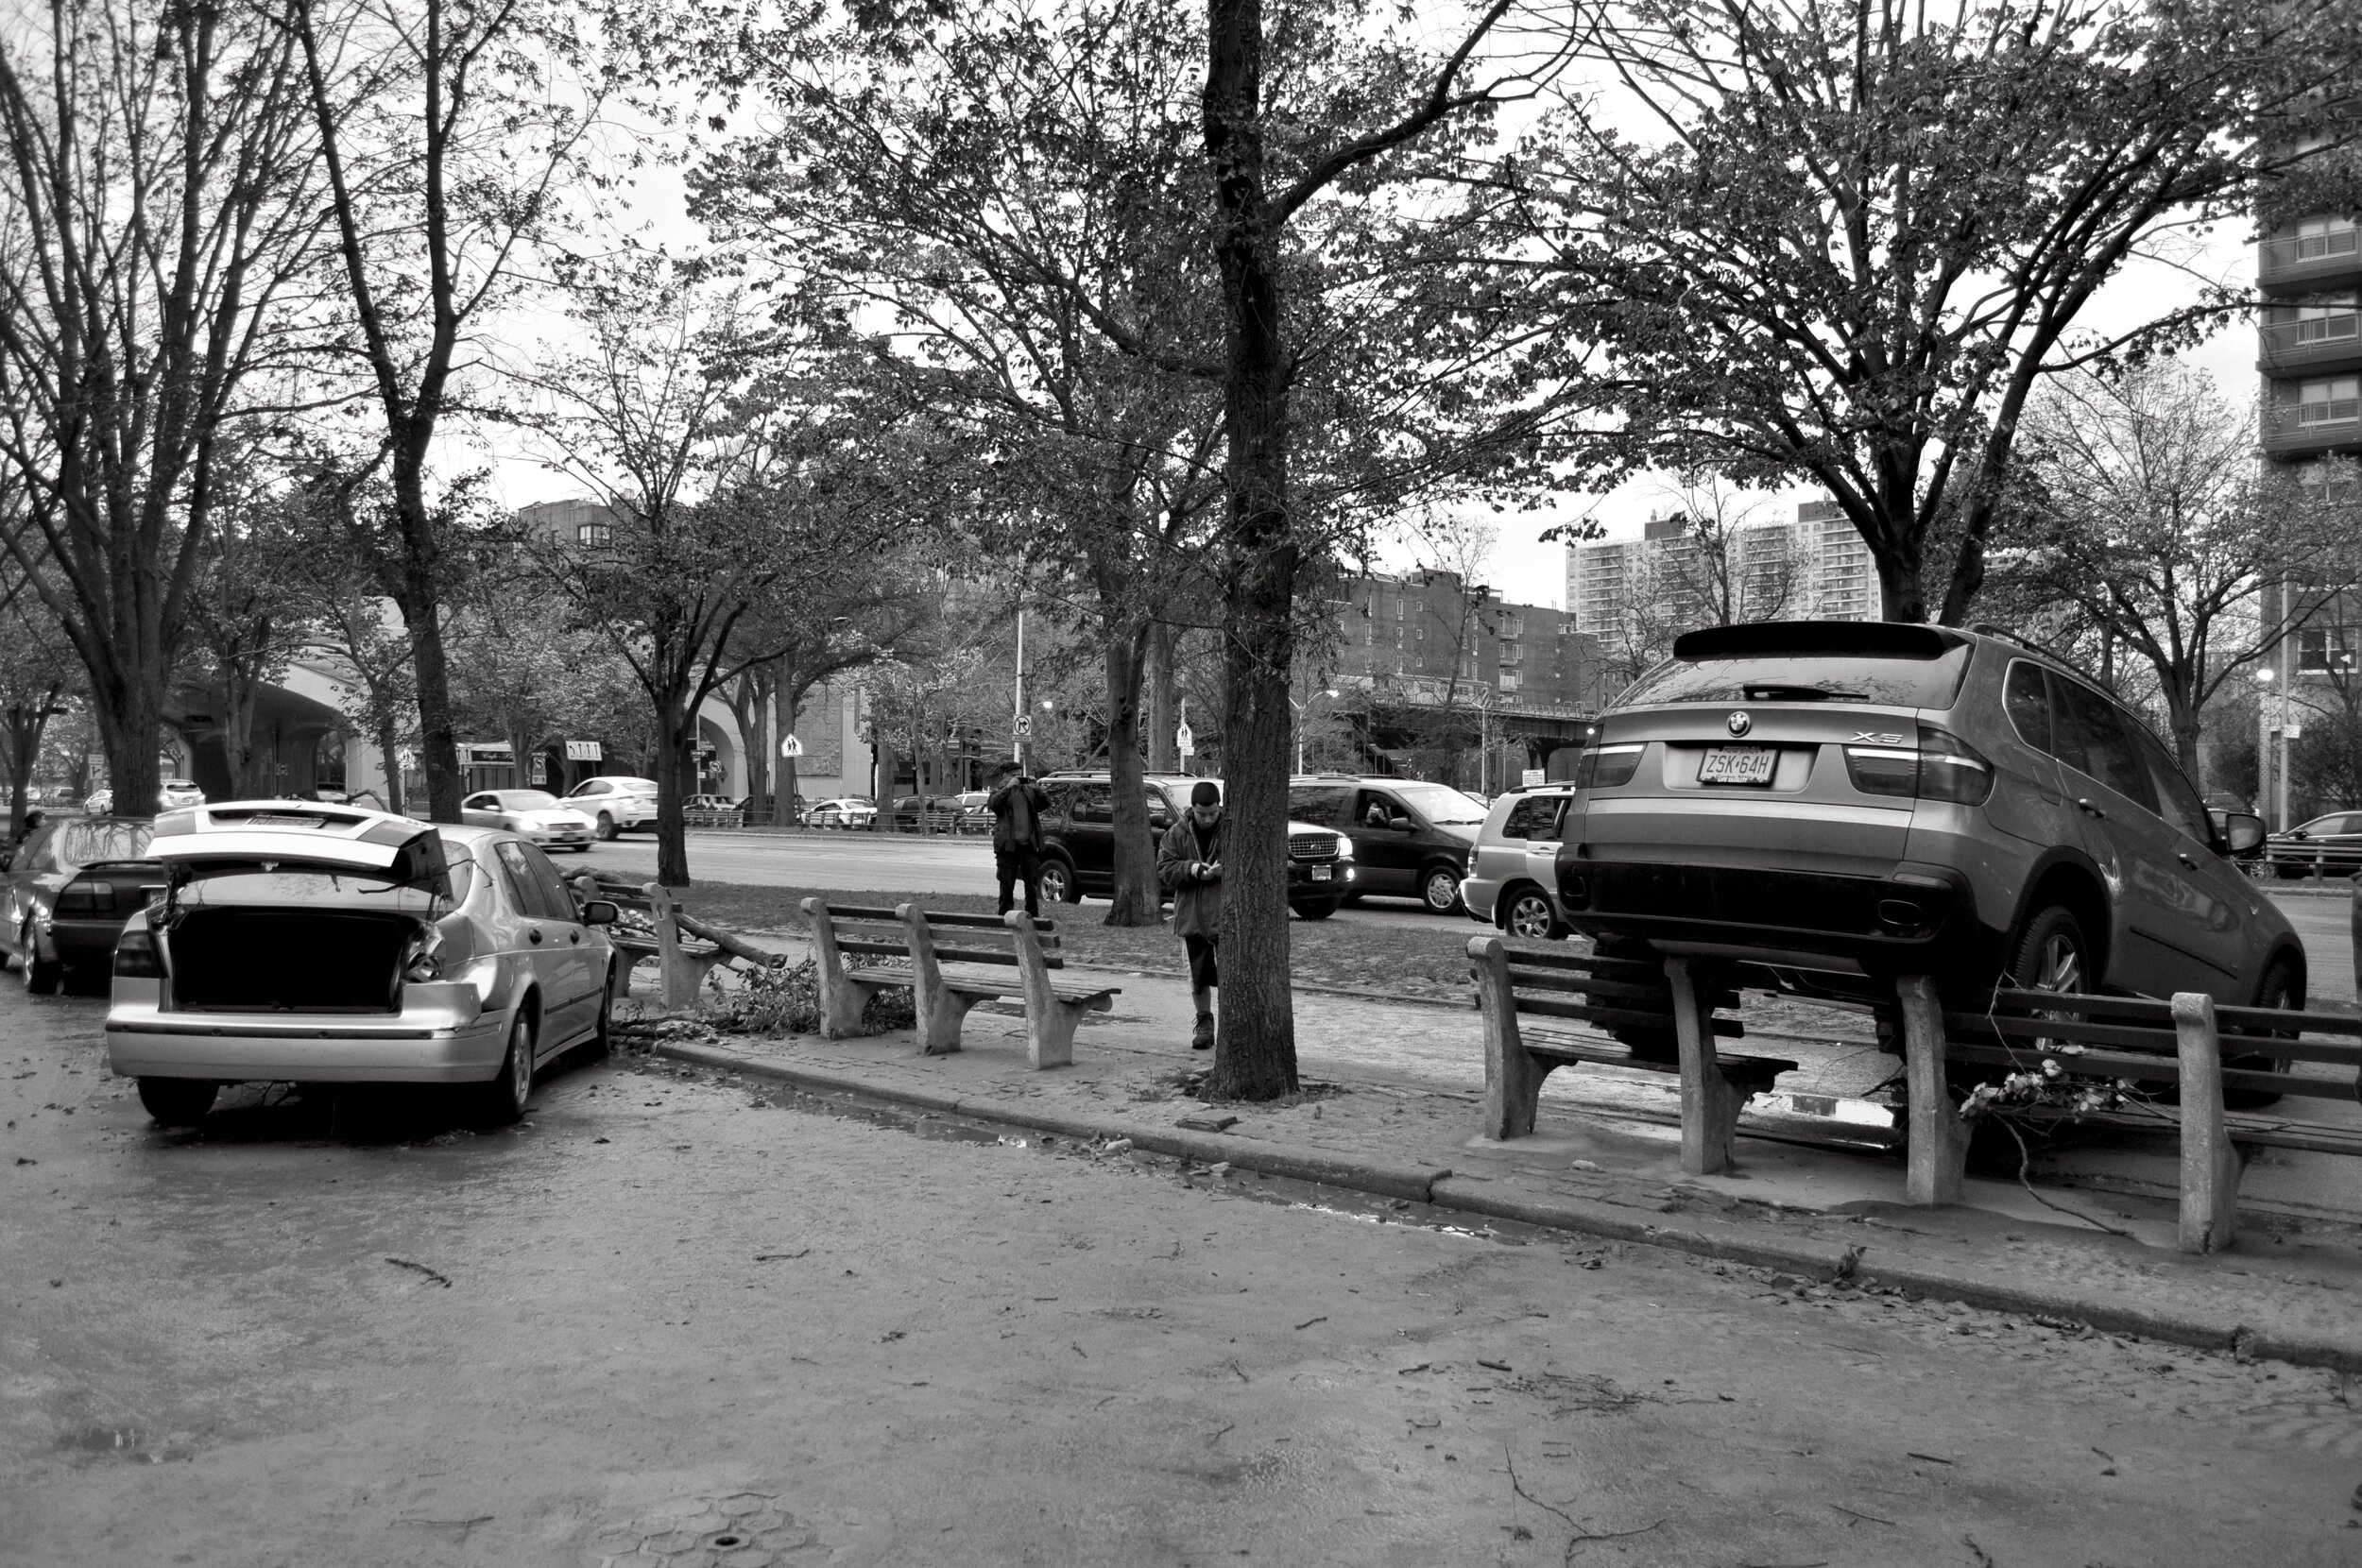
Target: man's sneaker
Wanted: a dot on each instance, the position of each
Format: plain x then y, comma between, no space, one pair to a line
1204,1038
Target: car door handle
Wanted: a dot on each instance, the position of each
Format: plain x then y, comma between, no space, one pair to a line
577,936
2085,804
2185,857
534,935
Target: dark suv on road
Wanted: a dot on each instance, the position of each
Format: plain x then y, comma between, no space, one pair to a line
1836,803
1411,840
1079,842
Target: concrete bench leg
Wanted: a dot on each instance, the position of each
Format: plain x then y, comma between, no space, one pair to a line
2211,1168
842,1003
1710,1103
1938,1152
941,1013
1050,1033
1513,1078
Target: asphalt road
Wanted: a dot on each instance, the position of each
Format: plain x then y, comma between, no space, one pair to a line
894,862
889,863
670,1320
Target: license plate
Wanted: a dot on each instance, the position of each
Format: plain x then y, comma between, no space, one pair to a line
1320,872
1737,765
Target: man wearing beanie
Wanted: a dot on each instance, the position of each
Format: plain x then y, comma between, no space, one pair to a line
1017,806
1189,865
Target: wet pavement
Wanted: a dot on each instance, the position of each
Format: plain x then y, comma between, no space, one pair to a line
683,1318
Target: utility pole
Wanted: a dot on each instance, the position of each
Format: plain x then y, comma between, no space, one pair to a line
1017,713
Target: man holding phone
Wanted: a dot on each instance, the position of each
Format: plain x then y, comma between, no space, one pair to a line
1189,863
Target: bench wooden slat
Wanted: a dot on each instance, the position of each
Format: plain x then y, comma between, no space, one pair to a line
1561,981
1616,1018
2243,1019
2154,1069
985,922
2161,1014
2014,1027
1628,968
1608,1053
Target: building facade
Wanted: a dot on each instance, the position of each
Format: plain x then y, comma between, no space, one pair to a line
1649,589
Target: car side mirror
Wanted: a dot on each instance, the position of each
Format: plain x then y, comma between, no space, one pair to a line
599,912
1400,825
2242,835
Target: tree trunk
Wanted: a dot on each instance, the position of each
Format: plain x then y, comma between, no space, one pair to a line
1164,752
130,726
389,762
1136,897
786,696
1255,1055
676,741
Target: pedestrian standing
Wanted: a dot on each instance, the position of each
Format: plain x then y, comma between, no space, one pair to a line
1189,863
1017,805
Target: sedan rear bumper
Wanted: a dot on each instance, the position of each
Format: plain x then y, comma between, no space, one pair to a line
146,1042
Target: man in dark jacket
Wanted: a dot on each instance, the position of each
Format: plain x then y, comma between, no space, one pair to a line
1017,806
1189,863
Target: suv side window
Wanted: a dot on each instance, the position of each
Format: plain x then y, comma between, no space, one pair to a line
2177,801
2094,738
1375,808
1318,805
1159,810
1093,803
1535,817
2029,705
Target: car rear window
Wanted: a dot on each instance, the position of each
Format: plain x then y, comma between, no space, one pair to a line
1889,679
84,843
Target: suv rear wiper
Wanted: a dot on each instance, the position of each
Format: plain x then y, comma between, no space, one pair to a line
1801,694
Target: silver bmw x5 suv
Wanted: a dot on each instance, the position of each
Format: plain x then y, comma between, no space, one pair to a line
1836,803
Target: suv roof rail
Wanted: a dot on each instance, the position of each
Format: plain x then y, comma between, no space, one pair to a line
1985,628
1904,639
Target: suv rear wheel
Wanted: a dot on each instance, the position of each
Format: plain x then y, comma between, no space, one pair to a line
1056,880
1439,889
1532,917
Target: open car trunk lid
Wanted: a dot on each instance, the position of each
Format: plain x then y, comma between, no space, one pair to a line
300,835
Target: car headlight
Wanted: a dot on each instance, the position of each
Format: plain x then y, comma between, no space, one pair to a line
1345,847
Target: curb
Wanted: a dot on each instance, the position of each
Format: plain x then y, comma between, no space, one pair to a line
1438,1186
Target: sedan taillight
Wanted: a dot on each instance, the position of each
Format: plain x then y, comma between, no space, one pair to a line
136,957
1943,767
86,898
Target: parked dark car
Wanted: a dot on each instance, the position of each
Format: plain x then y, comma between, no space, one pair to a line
1411,840
1079,842
66,893
2329,846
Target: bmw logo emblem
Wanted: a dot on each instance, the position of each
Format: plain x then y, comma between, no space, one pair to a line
1740,723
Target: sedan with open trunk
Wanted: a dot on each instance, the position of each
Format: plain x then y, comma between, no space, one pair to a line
301,941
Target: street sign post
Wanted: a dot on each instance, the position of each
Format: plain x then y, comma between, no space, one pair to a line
1184,741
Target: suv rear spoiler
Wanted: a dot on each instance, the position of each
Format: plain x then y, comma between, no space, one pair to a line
1894,639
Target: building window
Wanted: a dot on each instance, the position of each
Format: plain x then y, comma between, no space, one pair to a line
2333,401
594,535
2324,323
2322,650
2318,238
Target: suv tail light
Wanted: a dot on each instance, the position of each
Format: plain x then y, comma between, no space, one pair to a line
1605,767
135,955
1943,767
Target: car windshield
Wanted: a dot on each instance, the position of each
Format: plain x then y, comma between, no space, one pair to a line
1892,680
87,842
1441,804
525,800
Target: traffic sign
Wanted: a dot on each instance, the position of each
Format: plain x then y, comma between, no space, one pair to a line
584,751
791,748
1024,725
1185,741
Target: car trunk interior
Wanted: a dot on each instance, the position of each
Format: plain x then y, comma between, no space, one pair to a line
309,961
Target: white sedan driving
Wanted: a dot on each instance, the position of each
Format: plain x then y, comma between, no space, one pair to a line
534,814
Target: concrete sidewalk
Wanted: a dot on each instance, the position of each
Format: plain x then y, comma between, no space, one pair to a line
1390,1108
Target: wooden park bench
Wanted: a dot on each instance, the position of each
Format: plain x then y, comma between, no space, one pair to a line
971,966
1612,993
683,959
2181,1044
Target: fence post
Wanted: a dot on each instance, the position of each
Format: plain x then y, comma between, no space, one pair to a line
1938,1152
2210,1166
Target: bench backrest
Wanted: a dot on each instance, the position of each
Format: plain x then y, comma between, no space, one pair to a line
952,938
1617,992
2135,1038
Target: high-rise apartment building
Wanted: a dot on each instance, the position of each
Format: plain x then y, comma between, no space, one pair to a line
1663,583
2309,350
